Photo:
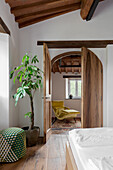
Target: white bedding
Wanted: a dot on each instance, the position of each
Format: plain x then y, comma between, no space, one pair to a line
103,163
92,137
92,148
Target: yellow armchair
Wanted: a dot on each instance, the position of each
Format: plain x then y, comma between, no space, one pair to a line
62,112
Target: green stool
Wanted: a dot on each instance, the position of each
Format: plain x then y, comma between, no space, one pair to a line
12,144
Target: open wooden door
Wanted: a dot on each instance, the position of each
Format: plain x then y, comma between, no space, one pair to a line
92,90
47,93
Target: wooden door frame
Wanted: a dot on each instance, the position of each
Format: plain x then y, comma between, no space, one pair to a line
62,55
101,74
46,134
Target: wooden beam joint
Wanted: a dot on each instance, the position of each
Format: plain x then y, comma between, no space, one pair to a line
4,26
92,10
88,8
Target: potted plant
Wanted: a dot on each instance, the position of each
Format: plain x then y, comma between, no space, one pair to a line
70,96
29,77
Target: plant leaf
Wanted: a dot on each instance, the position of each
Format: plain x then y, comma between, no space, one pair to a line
35,59
16,99
14,79
39,81
11,74
28,92
18,68
23,59
28,115
20,80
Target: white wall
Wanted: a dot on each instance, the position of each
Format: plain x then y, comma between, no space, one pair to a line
110,85
4,81
9,20
67,27
58,92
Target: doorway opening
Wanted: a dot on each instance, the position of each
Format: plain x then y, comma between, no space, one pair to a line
91,85
66,91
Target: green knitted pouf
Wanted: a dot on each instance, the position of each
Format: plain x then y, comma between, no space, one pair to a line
12,144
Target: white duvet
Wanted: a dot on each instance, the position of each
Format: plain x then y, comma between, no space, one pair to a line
93,137
104,163
93,147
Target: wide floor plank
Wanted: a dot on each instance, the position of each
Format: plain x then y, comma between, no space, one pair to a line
50,156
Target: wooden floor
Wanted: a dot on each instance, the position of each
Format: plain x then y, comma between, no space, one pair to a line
50,156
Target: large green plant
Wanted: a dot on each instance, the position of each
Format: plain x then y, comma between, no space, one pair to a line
30,79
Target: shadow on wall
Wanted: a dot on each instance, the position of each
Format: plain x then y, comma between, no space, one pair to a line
38,104
4,113
102,7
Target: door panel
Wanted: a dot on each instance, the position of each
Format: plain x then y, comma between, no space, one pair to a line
47,93
92,90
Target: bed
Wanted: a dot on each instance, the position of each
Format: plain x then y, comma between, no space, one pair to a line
90,149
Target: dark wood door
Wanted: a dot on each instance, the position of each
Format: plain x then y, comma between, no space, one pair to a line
92,90
47,93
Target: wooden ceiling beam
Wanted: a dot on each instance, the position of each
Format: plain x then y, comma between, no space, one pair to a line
58,65
19,4
85,8
30,4
72,63
74,59
24,3
92,10
79,70
65,68
77,44
42,7
35,15
66,54
33,21
88,8
3,27
59,69
71,76
28,12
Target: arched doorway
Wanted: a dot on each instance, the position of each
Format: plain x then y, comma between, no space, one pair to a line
92,85
66,82
92,89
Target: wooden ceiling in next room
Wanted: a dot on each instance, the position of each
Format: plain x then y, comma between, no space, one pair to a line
71,63
28,12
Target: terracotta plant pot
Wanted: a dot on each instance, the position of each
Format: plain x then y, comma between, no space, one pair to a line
32,135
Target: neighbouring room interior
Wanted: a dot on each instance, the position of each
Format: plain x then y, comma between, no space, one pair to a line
66,91
56,85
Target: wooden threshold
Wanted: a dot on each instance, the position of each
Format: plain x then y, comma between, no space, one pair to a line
77,44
